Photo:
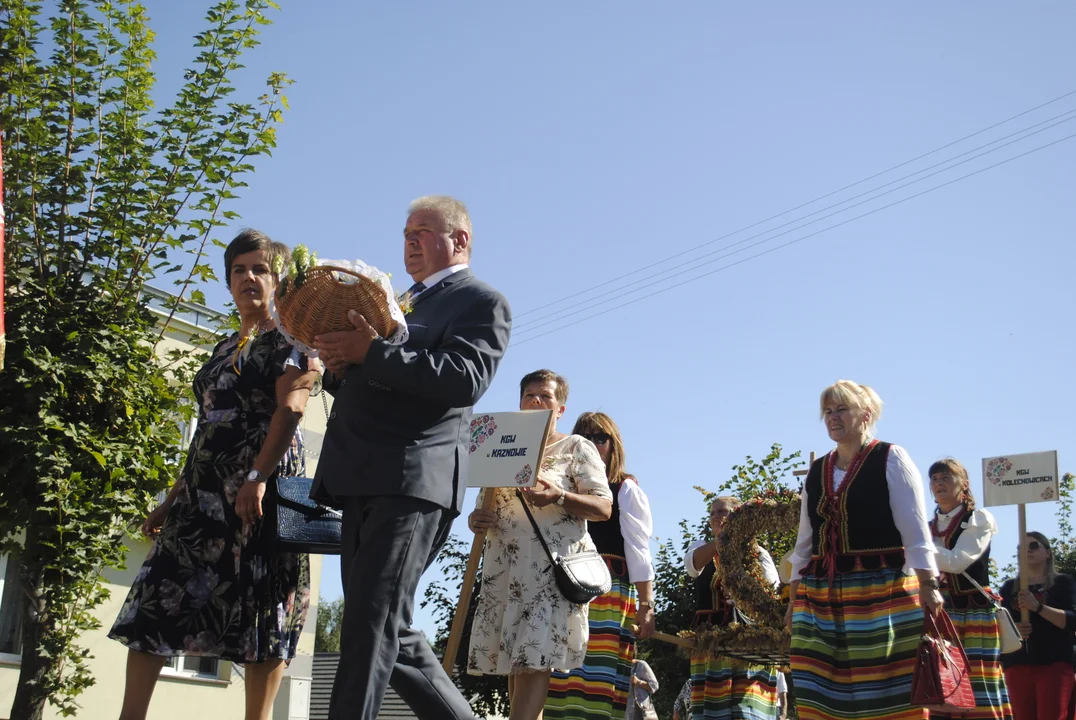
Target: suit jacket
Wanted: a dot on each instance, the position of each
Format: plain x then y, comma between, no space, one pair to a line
400,423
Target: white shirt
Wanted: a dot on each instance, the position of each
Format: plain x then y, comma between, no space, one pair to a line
769,570
636,527
909,515
979,528
441,275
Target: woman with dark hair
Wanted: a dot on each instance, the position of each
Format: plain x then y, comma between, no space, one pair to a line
213,585
600,688
1040,674
962,535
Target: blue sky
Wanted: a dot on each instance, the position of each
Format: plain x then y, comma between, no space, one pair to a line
595,139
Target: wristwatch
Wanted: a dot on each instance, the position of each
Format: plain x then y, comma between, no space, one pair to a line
933,582
646,604
1038,610
255,476
563,494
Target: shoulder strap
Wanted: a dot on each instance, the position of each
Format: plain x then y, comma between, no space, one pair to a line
981,589
535,526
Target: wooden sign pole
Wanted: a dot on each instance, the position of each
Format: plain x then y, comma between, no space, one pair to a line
455,633
801,473
667,638
1025,614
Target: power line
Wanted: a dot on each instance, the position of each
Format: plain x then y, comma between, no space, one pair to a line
810,202
551,317
796,240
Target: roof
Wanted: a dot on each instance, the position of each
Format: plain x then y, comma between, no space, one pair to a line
321,686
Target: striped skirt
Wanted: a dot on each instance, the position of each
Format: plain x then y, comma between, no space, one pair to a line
599,689
853,646
978,629
723,689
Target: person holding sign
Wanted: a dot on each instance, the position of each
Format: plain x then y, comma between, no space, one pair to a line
523,626
1040,675
863,570
600,688
962,535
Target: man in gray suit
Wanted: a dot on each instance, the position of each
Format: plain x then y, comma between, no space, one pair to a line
395,459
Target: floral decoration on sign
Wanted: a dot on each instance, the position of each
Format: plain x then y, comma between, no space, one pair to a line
481,429
523,477
996,469
1048,493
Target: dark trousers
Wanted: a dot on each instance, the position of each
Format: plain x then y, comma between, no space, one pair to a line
387,543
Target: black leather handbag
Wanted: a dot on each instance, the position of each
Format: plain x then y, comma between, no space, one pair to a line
304,525
580,577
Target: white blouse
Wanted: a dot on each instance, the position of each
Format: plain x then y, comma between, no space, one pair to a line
636,527
979,528
909,515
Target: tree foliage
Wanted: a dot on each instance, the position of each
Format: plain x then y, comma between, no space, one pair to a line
329,624
103,193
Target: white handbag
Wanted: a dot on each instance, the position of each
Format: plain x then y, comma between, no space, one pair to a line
1008,633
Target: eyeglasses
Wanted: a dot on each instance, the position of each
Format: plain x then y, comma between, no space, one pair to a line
597,438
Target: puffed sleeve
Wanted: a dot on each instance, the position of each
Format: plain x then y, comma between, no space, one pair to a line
285,356
636,526
909,511
973,541
689,561
801,553
588,470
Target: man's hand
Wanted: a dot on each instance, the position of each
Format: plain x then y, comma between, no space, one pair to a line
481,520
346,347
543,493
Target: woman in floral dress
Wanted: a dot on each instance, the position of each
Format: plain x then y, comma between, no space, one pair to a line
523,626
212,585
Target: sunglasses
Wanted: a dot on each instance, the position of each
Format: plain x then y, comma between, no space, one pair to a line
1033,545
597,438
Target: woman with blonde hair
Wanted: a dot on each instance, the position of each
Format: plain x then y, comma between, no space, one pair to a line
863,570
600,688
962,535
1040,674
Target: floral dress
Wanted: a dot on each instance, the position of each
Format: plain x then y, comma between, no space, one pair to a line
202,589
522,621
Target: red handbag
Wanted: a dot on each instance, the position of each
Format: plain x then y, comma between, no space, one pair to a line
941,681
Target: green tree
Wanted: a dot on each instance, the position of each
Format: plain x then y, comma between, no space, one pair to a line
675,591
330,621
102,193
488,694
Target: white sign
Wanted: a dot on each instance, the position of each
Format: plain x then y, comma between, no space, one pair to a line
507,447
1020,479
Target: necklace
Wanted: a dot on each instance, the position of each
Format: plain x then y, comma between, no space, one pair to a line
242,348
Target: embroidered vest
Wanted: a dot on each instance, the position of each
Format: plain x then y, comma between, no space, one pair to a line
852,525
710,603
962,592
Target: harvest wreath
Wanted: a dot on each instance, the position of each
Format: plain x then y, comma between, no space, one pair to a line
764,639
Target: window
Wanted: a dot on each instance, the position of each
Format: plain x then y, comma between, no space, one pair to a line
10,609
190,666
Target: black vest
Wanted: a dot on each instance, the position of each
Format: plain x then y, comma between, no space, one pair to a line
961,592
606,534
710,603
854,524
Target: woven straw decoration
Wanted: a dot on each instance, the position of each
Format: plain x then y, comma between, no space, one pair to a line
321,303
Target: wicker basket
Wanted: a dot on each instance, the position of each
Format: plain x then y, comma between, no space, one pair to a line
321,303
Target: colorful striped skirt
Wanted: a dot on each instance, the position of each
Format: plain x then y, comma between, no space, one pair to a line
599,689
978,629
853,646
723,689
